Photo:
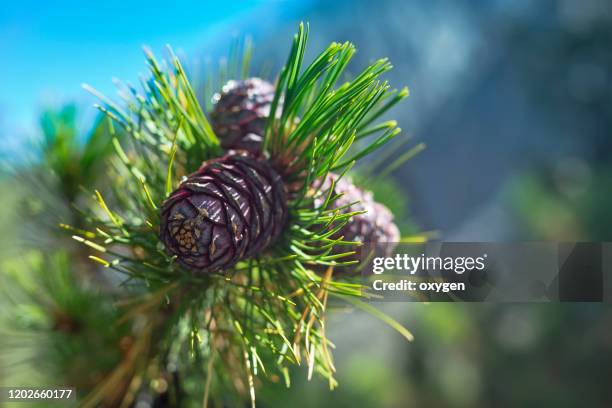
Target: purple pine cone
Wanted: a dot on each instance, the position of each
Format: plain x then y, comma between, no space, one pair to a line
232,208
372,228
240,113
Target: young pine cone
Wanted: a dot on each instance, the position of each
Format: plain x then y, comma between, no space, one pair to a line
374,228
240,113
232,208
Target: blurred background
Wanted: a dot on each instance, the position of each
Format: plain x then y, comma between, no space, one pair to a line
513,99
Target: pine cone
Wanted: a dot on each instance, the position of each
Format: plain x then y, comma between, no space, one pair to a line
232,208
372,228
240,113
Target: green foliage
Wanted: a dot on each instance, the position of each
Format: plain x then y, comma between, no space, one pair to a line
57,317
46,187
267,313
74,161
320,121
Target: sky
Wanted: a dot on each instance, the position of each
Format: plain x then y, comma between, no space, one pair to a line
48,49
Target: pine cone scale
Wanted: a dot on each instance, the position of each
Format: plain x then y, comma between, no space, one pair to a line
247,196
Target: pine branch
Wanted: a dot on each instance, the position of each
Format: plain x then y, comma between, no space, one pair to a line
267,312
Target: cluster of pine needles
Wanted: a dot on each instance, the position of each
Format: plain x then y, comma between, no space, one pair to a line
268,313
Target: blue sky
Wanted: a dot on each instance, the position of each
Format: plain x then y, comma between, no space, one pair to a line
48,49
